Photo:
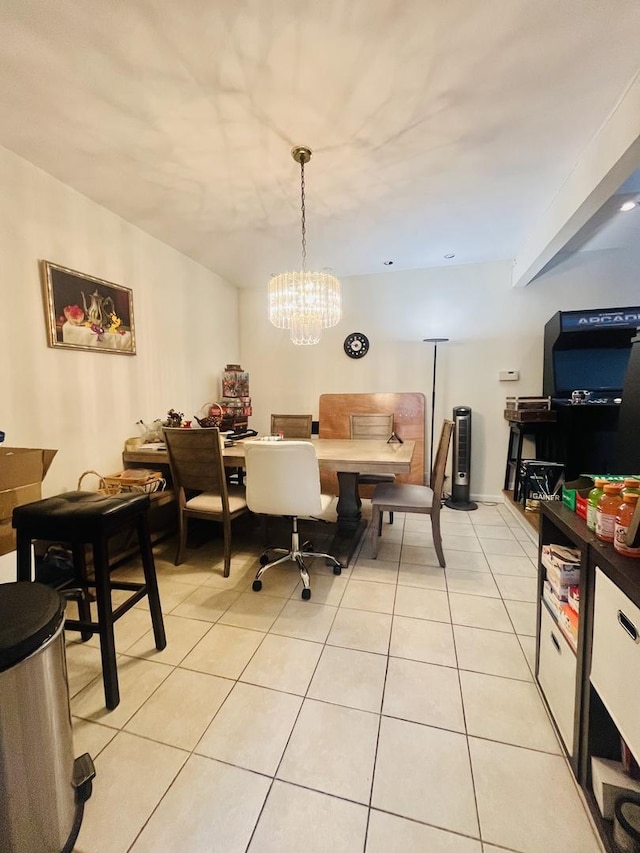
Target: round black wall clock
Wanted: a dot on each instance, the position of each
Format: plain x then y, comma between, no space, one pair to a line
356,345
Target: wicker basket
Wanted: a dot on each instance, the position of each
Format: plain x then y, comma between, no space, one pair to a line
212,415
140,480
104,488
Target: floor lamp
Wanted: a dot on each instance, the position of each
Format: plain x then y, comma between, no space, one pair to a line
435,342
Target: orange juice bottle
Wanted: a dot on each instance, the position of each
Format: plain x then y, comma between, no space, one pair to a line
592,502
631,485
607,511
623,519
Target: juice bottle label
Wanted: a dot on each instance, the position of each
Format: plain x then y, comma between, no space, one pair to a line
605,526
591,517
620,542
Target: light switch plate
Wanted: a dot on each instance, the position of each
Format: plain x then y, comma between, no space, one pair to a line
509,375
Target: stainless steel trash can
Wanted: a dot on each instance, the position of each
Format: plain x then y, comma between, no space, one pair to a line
42,788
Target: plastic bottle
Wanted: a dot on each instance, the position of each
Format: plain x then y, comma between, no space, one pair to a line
592,502
623,519
607,510
631,484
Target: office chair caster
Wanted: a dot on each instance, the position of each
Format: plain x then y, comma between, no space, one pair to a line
257,584
306,594
337,570
264,559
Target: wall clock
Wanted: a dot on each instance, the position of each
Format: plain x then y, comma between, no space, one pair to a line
356,345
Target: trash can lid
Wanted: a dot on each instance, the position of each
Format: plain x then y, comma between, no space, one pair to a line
30,613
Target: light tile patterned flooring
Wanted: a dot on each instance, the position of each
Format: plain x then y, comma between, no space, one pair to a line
393,712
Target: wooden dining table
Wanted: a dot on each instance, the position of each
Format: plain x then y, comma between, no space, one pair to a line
347,457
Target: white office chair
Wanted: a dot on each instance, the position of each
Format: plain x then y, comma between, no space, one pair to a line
283,479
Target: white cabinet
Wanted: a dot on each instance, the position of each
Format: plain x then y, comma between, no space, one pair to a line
615,662
557,676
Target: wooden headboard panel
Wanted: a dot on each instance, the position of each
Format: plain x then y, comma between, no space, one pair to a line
408,423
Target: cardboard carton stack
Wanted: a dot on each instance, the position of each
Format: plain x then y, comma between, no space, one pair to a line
561,589
22,470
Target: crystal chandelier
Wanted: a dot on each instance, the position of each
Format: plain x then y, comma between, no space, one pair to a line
304,302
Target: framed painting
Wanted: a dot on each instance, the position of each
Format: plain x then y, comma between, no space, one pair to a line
87,313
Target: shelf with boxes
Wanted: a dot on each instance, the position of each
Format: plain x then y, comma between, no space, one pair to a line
590,690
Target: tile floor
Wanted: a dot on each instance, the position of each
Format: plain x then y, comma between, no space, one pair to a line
395,711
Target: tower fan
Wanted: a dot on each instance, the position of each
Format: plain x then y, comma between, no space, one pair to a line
461,474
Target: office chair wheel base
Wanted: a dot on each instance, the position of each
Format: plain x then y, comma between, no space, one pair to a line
307,546
264,559
306,594
256,586
337,570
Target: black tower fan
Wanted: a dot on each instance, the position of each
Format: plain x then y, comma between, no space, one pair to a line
461,474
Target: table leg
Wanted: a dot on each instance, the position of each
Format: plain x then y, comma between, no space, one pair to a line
350,524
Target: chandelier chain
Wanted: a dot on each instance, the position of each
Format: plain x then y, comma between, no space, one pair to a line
303,217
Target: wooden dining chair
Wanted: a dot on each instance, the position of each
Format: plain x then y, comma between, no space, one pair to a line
405,497
373,427
200,485
291,426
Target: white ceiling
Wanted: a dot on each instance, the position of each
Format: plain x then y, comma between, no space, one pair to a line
438,126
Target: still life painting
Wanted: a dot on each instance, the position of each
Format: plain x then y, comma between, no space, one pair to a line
88,313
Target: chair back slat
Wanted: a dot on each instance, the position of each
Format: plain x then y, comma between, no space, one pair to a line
371,426
439,467
195,458
291,426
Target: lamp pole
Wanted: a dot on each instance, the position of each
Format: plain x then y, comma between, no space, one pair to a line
435,342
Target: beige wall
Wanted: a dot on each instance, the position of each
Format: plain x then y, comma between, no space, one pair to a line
85,404
491,325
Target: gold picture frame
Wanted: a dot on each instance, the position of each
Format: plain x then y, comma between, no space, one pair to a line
87,313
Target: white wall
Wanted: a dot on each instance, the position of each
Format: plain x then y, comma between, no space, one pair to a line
491,325
86,404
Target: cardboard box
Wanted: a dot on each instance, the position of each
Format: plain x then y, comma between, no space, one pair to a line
609,782
22,470
576,488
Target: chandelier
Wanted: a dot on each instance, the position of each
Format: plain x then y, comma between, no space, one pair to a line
304,302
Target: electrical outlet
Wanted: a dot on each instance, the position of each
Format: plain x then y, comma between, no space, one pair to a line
509,375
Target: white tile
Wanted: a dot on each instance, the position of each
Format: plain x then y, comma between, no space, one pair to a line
493,531
362,630
426,577
421,555
252,728
324,753
419,639
388,550
296,819
472,583
132,775
380,570
466,561
423,773
420,538
477,611
224,650
490,652
528,645
181,708
137,680
391,834
256,610
283,663
455,542
523,616
208,800
527,800
206,603
305,620
326,588
84,664
516,588
367,595
504,564
423,693
506,710
182,636
334,678
503,546
279,581
90,737
422,604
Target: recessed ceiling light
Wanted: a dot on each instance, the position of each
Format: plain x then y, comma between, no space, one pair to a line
449,256
388,263
628,205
